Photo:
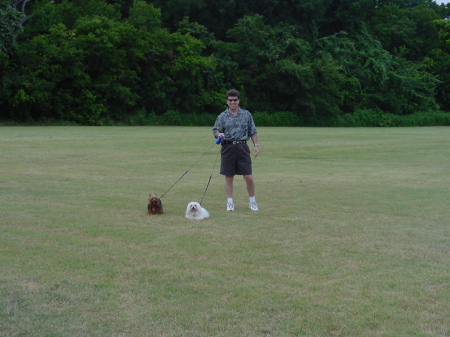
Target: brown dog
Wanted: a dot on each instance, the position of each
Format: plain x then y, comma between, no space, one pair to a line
154,205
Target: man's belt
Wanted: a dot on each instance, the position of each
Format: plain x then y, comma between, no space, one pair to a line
234,142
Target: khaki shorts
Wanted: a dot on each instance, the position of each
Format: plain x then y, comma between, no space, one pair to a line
235,160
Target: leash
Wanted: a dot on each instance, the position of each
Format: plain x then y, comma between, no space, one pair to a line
187,172
210,176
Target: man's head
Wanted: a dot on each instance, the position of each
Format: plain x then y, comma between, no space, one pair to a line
233,93
233,99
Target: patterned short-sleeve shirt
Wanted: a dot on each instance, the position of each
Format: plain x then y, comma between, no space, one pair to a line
239,127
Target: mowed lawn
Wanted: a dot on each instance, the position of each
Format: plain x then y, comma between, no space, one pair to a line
352,237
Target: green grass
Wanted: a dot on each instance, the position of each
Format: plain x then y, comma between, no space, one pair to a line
352,236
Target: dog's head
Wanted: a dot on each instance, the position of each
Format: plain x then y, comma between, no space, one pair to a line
193,207
153,200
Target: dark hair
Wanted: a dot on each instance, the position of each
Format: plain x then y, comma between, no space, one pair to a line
233,92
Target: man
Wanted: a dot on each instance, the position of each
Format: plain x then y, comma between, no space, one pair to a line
236,126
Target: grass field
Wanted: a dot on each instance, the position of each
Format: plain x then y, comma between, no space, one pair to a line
352,237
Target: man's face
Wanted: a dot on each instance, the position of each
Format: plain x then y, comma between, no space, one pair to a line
232,101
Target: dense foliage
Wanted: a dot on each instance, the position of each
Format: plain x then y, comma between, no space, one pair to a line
296,62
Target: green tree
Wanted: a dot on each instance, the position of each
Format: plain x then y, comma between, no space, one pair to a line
111,55
10,26
380,81
409,33
277,70
439,62
94,61
86,75
175,73
179,78
221,15
145,17
50,82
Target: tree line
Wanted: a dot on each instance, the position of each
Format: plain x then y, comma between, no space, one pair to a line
96,62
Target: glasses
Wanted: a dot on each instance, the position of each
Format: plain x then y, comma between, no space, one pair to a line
233,100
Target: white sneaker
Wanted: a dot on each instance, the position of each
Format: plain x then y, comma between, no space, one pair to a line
230,206
253,206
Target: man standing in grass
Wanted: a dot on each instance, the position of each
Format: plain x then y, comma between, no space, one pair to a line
236,126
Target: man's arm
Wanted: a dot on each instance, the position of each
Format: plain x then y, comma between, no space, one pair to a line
254,139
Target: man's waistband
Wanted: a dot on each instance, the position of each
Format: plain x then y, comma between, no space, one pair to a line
234,142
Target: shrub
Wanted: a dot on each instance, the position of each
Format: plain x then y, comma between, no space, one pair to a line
422,119
143,118
364,118
370,118
263,119
282,118
171,118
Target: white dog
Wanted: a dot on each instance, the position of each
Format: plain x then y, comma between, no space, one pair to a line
196,212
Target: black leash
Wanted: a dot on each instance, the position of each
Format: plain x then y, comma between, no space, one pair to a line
187,172
210,176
